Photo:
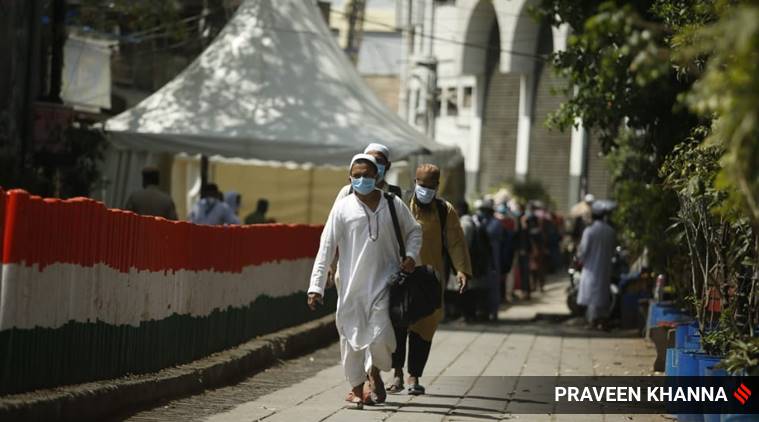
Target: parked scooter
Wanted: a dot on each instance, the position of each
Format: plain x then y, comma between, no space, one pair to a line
619,267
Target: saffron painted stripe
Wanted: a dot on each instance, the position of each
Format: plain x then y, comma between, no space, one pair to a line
56,294
81,231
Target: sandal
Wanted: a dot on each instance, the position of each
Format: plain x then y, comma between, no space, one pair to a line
415,390
379,394
353,399
369,397
397,386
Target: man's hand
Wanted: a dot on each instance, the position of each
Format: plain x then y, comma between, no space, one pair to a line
408,265
313,300
463,281
330,279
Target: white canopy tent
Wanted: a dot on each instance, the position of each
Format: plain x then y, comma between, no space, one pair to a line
273,85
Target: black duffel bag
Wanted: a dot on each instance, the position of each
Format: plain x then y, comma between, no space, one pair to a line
413,296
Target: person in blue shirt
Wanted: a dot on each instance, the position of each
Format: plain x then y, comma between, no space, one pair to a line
211,210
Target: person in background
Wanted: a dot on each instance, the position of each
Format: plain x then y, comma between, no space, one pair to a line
581,217
532,222
259,215
150,200
210,210
439,238
485,218
474,299
361,226
555,236
595,252
504,215
233,200
455,300
522,246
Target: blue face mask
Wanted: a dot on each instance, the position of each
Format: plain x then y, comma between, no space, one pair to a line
363,185
424,195
380,172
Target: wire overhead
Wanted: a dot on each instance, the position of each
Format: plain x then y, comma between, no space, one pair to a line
538,57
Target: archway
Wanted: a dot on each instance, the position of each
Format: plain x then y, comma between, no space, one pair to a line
498,98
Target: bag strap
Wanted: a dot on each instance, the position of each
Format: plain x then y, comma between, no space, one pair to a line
396,225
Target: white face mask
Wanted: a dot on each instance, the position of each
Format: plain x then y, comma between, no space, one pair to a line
424,195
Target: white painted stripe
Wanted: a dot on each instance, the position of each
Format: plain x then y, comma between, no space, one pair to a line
61,293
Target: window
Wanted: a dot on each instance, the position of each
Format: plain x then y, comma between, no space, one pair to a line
466,100
451,101
438,105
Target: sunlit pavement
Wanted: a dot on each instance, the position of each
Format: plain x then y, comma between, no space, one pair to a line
532,338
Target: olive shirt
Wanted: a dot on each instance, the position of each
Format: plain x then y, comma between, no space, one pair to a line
432,254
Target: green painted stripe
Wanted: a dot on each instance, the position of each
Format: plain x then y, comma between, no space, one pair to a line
81,352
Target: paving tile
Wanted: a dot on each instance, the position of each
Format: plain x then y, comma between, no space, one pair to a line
475,373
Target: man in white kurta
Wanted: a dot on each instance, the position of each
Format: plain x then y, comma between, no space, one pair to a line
361,227
596,251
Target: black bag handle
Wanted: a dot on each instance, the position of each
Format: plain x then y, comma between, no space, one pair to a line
396,225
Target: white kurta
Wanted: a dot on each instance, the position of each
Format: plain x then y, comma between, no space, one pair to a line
365,266
596,250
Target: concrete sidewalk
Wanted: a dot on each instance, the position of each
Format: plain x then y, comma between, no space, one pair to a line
462,358
552,302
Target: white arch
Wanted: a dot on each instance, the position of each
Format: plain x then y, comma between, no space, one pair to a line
478,22
519,33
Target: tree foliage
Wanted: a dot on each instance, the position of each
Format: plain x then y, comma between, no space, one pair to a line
670,88
728,91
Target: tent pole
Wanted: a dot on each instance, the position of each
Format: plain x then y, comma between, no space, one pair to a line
310,193
203,170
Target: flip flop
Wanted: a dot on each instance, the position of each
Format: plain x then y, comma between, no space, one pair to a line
379,394
415,390
397,386
353,399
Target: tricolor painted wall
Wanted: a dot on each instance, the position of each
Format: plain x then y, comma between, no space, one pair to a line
93,293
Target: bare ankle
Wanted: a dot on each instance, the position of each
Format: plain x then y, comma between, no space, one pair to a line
358,390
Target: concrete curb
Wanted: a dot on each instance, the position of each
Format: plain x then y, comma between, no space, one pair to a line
98,400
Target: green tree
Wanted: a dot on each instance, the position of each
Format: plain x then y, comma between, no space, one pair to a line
625,88
728,91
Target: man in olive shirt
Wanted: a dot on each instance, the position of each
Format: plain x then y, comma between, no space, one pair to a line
150,200
441,235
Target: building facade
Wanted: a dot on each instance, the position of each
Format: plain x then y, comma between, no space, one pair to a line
378,58
476,74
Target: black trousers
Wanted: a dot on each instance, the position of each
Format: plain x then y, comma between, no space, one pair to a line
418,351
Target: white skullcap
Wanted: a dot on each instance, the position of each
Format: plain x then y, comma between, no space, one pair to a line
483,204
589,198
366,157
378,148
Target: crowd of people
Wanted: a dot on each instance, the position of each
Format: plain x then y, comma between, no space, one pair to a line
513,247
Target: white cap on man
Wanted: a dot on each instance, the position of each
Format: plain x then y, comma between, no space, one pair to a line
366,157
374,147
